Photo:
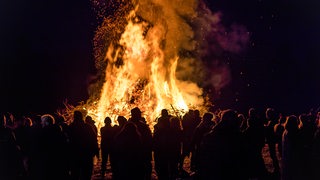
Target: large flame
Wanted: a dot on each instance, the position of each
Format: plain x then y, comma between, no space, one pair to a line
153,54
139,74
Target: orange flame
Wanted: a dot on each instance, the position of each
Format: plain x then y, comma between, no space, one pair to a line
139,73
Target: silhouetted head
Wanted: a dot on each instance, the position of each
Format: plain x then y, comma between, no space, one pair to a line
175,123
241,116
136,113
3,121
217,118
229,120
191,112
107,120
77,116
10,120
196,113
282,119
89,120
164,120
312,118
243,121
303,119
143,120
207,117
60,119
164,113
20,122
271,114
292,123
252,113
122,120
36,121
27,122
47,120
130,129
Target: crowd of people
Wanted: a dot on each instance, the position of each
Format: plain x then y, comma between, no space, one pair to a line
220,145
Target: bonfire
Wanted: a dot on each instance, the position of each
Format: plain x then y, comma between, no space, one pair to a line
153,54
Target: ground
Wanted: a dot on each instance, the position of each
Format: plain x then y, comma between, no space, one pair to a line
97,174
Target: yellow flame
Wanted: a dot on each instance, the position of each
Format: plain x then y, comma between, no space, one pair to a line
139,74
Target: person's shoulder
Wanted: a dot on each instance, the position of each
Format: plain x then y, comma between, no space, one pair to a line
72,125
88,126
102,128
142,124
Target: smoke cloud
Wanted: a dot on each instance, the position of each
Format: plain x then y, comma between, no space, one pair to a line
197,36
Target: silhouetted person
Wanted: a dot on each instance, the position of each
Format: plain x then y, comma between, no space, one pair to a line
84,146
217,117
35,159
307,131
146,137
53,145
196,121
129,154
188,130
203,128
278,130
174,146
160,145
121,121
272,119
10,121
244,122
255,141
10,157
291,150
143,119
62,124
222,149
91,122
22,134
60,121
107,143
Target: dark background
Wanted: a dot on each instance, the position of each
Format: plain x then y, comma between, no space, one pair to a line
46,54
281,65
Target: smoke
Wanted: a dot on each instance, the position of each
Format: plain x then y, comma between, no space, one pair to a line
198,37
233,40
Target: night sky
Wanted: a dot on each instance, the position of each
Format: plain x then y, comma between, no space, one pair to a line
46,54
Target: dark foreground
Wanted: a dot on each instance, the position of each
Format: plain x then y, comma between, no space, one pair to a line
189,174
